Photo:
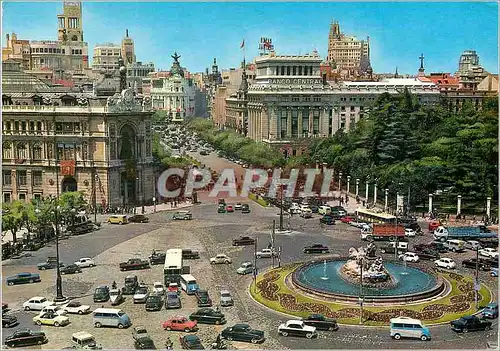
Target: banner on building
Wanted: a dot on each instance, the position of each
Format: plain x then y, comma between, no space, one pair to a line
67,167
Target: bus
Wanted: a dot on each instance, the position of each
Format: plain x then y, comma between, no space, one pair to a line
172,269
188,284
374,216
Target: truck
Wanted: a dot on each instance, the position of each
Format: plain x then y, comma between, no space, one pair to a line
463,233
383,232
134,263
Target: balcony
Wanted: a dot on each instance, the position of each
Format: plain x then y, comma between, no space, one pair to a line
50,109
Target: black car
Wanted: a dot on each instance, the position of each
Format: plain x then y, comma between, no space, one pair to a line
101,294
138,219
71,269
243,332
203,298
9,321
243,240
154,302
428,254
191,342
482,264
208,316
22,278
144,343
414,226
493,262
25,337
321,322
245,208
316,248
470,323
188,254
157,258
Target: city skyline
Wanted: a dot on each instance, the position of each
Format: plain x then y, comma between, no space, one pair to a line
398,32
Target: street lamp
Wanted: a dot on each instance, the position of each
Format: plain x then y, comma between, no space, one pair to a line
348,183
360,297
340,182
386,199
357,187
59,294
154,204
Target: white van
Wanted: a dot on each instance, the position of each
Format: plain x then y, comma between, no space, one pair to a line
324,210
455,245
111,317
406,327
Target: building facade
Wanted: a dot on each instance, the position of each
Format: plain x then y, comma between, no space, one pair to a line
347,54
470,73
98,143
106,57
128,50
291,102
17,50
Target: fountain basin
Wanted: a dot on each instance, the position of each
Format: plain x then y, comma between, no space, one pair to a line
408,283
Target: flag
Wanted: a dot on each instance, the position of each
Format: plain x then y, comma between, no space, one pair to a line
242,44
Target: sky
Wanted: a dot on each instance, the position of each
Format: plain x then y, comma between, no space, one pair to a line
199,31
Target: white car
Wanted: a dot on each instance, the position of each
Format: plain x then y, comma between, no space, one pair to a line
115,296
266,253
51,319
472,245
37,303
75,307
359,224
445,263
141,294
85,262
237,206
297,328
158,288
410,232
305,208
221,258
409,257
324,210
54,309
488,252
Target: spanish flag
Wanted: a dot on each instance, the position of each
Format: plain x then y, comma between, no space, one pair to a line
242,44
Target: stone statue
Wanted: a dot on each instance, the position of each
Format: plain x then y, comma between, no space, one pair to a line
176,57
82,101
370,250
47,100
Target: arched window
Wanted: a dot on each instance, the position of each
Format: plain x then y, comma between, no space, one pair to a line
22,151
7,150
127,143
37,152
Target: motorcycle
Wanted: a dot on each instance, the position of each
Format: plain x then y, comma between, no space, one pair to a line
219,345
169,345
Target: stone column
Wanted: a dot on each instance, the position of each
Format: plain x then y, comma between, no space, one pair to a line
488,207
375,194
386,199
357,186
366,191
430,203
299,121
348,183
459,204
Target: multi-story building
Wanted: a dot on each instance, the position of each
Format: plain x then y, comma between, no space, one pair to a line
174,93
470,73
347,54
17,50
236,106
290,101
128,50
106,57
212,81
137,72
56,141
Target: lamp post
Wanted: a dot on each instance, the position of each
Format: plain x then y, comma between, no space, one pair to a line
366,191
59,294
281,208
357,187
386,199
340,182
348,184
361,293
375,193
154,204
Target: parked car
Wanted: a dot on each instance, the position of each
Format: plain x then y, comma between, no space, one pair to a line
157,258
25,337
101,293
347,219
237,207
158,288
49,264
139,332
9,321
208,316
221,208
245,208
409,257
488,252
445,263
491,311
85,262
54,309
243,240
134,263
76,307
410,232
470,323
37,303
116,297
50,318
131,284
71,269
243,332
180,324
174,287
145,343
229,208
141,294
327,219
23,278
321,322
266,253
245,268
494,272
221,258
139,218
183,215
427,254
203,298
188,254
473,245
225,298
191,342
297,328
84,340
316,248
482,264
172,300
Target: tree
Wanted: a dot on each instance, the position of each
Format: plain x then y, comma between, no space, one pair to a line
13,218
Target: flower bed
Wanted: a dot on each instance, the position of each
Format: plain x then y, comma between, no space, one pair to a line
273,293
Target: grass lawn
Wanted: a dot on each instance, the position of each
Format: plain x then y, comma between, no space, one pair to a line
261,202
275,305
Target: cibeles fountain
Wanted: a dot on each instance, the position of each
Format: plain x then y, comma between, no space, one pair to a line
364,273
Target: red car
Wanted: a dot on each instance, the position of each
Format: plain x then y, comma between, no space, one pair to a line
229,208
347,219
180,324
433,225
174,287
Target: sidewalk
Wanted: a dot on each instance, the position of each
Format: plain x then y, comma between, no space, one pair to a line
147,210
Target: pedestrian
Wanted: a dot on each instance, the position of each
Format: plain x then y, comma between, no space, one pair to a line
364,203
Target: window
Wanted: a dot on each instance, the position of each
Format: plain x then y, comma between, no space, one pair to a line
7,150
22,197
300,70
59,127
16,125
352,108
283,123
294,71
61,22
305,122
295,99
37,178
32,125
22,151
37,152
317,99
6,197
21,178
282,70
7,178
7,126
39,126
295,123
288,71
315,122
37,197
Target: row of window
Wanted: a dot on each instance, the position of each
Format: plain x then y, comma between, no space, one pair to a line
294,70
22,178
48,51
21,151
24,126
65,151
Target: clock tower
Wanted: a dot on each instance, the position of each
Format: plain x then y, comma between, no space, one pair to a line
70,22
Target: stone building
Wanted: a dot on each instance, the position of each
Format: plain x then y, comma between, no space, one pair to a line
106,57
470,73
174,93
17,50
236,105
291,102
211,83
53,141
347,54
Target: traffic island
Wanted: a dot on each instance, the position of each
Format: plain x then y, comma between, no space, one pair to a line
271,290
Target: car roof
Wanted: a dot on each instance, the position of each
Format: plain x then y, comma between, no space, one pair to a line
37,297
223,291
294,321
241,325
82,335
